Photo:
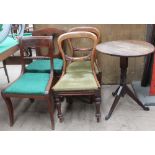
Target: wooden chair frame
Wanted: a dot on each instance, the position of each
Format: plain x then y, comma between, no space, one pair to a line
31,42
96,93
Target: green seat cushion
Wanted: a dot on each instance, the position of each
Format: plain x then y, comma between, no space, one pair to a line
29,83
76,81
27,34
7,44
10,42
43,66
80,66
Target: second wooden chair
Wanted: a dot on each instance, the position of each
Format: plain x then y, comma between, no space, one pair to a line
78,82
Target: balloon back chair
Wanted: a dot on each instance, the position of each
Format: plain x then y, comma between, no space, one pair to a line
77,82
29,84
44,66
86,64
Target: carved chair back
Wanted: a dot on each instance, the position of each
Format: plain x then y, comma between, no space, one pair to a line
36,43
78,35
87,29
50,32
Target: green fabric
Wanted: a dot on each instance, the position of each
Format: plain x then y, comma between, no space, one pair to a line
76,81
7,44
25,34
43,66
1,27
10,42
29,83
80,66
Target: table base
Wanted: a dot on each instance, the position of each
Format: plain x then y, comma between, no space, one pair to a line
123,89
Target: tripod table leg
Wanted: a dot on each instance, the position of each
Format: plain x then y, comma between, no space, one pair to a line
133,96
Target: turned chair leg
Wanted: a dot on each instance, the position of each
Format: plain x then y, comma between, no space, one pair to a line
51,111
10,109
97,104
58,104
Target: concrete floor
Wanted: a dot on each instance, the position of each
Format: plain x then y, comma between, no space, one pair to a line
79,116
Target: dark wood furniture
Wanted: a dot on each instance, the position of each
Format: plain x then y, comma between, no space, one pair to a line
77,82
58,62
32,85
125,49
55,32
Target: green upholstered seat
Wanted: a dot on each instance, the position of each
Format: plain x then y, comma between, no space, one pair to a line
7,44
43,66
10,42
80,66
29,83
76,81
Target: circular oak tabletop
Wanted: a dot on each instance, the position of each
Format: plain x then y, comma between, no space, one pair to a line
126,48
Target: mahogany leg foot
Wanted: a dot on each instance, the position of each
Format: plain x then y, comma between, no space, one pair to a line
58,104
107,117
146,108
121,90
10,109
133,96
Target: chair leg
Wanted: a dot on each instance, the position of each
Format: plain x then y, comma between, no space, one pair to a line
31,100
10,109
6,72
97,104
91,99
58,104
51,112
69,100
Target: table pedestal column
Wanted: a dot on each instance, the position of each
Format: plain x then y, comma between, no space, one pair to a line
123,89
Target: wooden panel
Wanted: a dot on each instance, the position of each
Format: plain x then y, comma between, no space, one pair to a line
109,64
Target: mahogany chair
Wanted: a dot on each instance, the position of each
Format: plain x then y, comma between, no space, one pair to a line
77,82
44,66
32,85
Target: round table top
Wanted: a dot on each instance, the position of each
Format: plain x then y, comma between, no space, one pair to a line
126,48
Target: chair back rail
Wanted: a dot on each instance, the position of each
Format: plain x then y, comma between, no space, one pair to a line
36,42
88,29
55,32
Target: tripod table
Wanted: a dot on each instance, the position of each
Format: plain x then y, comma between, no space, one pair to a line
125,49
